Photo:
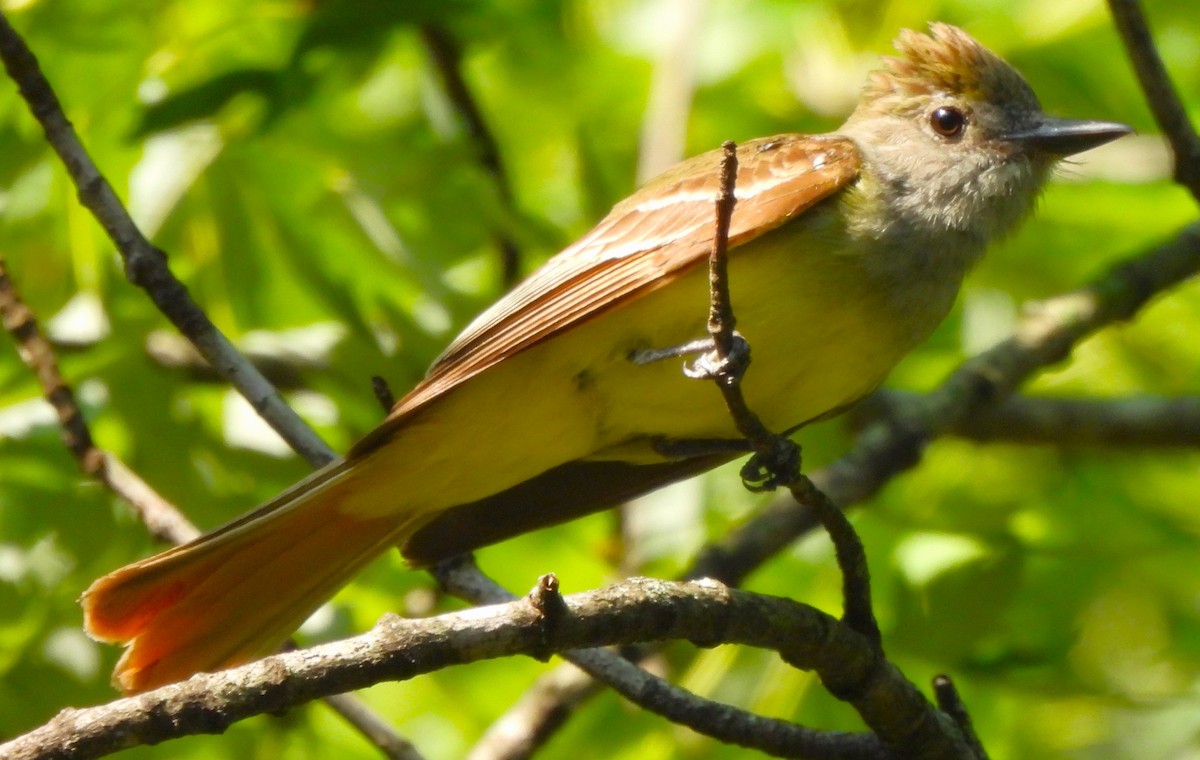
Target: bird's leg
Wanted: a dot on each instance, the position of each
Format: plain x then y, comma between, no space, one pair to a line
777,466
709,365
688,448
650,355
766,470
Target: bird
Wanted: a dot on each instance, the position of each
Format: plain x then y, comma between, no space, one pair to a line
845,251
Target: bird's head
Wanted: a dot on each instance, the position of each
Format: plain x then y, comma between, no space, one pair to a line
957,137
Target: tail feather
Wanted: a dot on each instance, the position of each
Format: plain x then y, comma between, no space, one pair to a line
237,593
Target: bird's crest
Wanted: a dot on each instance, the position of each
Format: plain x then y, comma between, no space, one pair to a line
947,61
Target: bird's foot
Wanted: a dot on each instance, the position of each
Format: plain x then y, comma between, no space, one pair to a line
768,470
709,365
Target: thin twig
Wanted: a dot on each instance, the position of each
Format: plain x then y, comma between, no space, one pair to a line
672,87
368,723
163,520
1165,103
446,55
777,454
146,265
951,704
37,354
732,354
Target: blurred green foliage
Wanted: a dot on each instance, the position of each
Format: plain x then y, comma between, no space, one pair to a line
302,165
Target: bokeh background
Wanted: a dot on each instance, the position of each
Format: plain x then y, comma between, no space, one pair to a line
319,193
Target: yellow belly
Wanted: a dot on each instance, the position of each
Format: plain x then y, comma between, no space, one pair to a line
822,335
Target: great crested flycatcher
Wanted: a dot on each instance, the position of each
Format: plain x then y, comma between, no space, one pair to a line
846,250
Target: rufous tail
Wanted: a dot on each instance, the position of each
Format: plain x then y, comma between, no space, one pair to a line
236,594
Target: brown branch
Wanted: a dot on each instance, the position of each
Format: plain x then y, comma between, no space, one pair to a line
723,722
1132,421
37,354
1165,103
446,55
160,517
731,355
398,649
145,265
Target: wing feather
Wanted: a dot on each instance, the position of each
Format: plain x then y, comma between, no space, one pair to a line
645,242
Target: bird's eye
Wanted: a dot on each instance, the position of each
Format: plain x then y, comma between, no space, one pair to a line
948,121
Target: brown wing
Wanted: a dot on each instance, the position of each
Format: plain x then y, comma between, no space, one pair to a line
645,242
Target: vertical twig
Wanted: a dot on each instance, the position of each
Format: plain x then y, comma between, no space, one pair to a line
776,454
672,86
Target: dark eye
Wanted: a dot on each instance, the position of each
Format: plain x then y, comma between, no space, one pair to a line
948,121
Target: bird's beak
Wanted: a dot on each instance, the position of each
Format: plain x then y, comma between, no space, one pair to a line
1066,137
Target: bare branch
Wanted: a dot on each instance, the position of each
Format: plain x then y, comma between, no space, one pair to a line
1133,421
398,649
368,723
145,265
161,518
726,723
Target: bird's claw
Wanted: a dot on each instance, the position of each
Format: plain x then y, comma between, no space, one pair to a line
727,368
767,470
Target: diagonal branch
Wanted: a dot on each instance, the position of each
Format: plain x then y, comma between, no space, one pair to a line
160,517
146,265
1161,94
